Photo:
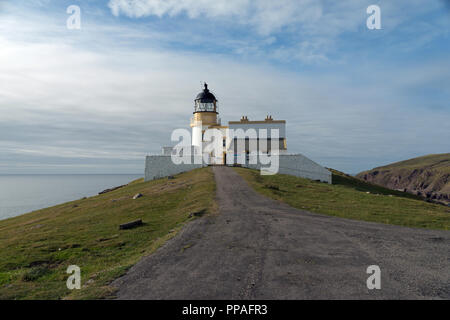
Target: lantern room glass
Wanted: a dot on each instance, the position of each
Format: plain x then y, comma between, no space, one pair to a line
205,107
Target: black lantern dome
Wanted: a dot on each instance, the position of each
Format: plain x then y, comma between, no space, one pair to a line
205,101
206,96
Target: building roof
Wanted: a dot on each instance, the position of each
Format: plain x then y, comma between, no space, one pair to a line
206,96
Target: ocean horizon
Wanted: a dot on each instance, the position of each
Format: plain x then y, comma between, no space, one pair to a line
24,193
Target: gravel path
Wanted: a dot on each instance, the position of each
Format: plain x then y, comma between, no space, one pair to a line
258,248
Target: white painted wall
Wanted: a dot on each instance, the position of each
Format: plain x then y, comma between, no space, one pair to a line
197,136
159,166
300,166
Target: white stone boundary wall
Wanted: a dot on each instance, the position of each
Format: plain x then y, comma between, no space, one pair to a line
300,166
159,166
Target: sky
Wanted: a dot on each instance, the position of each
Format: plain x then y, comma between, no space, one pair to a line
100,98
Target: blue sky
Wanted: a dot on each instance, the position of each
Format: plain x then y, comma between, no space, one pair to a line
98,99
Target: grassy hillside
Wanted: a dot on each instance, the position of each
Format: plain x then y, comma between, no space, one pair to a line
350,198
439,162
37,248
340,178
427,176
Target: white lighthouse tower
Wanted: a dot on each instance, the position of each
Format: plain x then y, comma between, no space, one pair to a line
205,116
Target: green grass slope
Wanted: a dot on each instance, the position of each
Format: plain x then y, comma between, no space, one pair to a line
351,198
37,248
427,176
439,162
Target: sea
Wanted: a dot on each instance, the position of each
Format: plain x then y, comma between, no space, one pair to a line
21,194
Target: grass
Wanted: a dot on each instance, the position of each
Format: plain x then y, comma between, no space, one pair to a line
351,198
340,178
439,162
36,248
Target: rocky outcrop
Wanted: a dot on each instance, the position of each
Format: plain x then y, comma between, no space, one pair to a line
137,196
112,189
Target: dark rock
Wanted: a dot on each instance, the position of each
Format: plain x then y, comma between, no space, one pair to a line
271,186
112,189
131,225
197,213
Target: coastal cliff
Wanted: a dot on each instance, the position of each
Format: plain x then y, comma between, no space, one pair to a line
427,176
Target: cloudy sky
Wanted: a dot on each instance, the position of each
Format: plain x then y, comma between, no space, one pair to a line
98,99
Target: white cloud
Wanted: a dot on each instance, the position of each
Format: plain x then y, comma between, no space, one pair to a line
267,16
314,27
193,8
310,16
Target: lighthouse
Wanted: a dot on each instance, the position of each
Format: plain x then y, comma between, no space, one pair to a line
205,115
206,118
257,144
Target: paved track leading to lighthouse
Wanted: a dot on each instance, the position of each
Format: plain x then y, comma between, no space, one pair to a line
258,248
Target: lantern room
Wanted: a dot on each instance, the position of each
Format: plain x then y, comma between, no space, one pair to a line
205,101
